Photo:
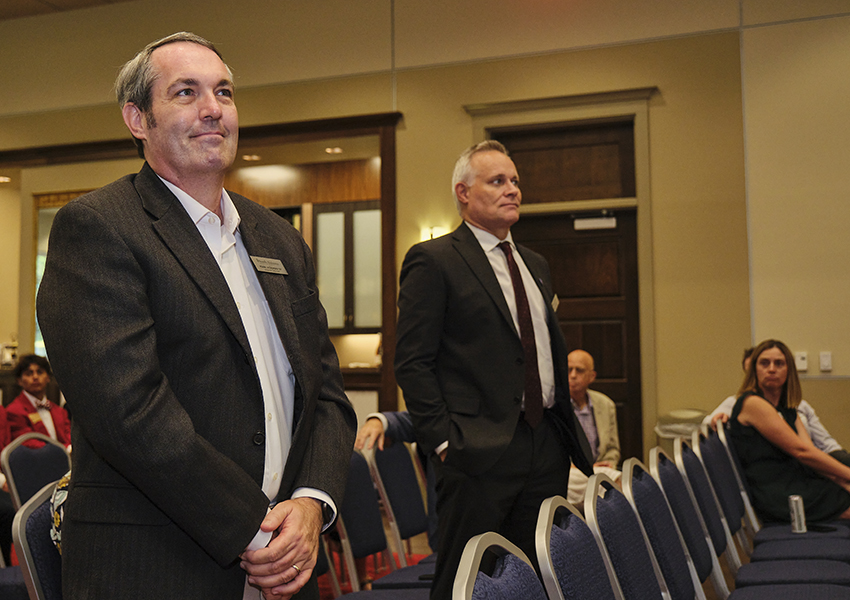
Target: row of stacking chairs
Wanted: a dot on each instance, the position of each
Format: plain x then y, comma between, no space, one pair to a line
661,536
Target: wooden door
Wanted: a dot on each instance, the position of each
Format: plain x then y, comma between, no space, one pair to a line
594,271
594,274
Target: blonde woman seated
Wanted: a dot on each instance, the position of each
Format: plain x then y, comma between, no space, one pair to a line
776,452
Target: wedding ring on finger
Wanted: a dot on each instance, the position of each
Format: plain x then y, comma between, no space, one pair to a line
297,568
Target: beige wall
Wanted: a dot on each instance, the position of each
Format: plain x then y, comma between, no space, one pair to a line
294,61
796,91
10,250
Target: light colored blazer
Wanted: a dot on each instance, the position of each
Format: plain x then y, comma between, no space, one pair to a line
149,349
605,415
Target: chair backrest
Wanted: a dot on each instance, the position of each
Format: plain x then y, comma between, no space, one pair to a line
40,561
692,469
359,523
361,512
648,501
513,576
394,474
28,469
682,501
571,563
613,522
743,487
324,565
720,471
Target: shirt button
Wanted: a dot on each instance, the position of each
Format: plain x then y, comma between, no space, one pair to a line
239,306
259,438
269,416
274,477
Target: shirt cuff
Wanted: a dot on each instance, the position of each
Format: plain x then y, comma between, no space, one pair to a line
261,539
441,447
381,418
330,514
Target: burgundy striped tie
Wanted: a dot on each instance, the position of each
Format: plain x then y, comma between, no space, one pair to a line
533,391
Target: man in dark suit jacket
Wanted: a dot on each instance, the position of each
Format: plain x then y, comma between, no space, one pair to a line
184,326
474,378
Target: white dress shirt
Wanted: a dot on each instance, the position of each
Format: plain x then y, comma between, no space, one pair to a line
536,303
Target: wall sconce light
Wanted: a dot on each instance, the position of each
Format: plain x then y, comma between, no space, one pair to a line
429,233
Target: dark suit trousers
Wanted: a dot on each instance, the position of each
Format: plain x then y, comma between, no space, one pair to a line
505,499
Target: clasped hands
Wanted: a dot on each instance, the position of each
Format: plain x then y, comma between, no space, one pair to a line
283,567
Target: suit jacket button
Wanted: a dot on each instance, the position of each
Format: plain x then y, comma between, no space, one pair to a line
517,399
259,438
519,361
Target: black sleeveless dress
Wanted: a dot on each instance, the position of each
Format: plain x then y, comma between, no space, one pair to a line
774,475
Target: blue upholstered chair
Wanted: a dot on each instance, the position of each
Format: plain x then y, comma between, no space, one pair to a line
648,497
513,576
792,570
30,469
41,563
571,562
359,523
398,486
616,526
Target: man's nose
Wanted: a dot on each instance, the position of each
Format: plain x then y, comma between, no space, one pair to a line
209,106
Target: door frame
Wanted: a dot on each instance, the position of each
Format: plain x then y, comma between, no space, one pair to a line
616,104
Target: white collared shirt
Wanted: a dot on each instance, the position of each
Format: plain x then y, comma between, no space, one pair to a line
536,303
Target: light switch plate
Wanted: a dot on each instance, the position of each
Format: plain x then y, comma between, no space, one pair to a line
825,361
801,360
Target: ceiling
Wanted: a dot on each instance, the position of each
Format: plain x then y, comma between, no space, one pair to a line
15,9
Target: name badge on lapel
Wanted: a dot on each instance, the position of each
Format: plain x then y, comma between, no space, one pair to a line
269,265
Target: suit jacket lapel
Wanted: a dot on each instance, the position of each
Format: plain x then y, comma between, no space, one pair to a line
259,242
470,250
182,238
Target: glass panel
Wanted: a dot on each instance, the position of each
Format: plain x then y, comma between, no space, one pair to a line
367,268
45,222
330,272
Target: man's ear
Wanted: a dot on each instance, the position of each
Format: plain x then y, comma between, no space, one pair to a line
134,119
462,192
592,377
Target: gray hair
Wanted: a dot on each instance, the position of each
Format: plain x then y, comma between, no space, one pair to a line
134,83
463,169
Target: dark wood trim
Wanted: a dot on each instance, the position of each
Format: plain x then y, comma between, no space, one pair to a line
493,108
388,397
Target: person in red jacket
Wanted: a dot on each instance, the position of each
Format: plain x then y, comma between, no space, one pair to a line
31,411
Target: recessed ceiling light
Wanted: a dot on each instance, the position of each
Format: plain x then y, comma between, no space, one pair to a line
334,150
251,157
5,179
